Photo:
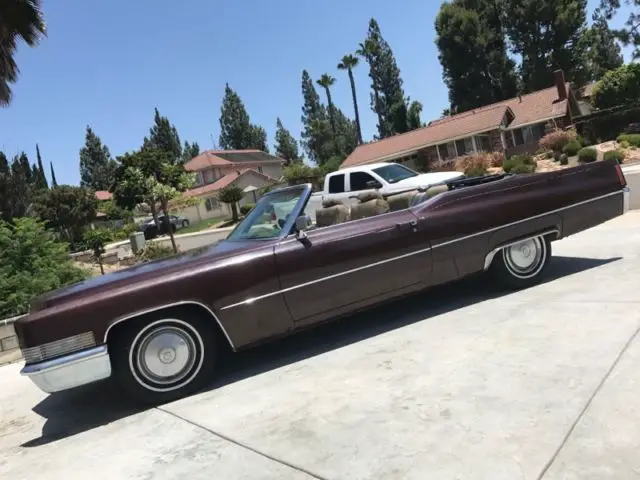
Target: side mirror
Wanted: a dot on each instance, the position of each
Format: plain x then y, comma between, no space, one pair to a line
374,184
302,223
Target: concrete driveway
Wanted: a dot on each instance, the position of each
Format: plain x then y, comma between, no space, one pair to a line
461,383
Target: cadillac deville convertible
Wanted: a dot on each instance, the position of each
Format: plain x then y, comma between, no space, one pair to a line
158,327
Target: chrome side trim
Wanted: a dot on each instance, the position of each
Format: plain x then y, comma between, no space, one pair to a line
324,279
489,258
417,252
626,199
164,307
70,371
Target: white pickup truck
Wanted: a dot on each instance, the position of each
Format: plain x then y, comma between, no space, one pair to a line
347,183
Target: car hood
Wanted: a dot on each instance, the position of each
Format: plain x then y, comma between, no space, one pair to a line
145,271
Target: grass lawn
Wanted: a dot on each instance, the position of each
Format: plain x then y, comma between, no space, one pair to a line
204,225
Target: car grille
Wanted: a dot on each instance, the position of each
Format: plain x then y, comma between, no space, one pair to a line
58,348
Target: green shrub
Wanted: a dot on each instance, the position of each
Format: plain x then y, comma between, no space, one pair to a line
557,156
614,154
633,139
522,168
246,208
524,159
624,144
587,155
475,172
32,262
572,148
548,155
564,159
154,251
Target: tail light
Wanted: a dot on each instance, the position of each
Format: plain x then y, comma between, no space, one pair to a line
621,179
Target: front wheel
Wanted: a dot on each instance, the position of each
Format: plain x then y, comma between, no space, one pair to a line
185,223
164,357
521,265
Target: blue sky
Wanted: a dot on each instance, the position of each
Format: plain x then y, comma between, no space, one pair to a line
109,63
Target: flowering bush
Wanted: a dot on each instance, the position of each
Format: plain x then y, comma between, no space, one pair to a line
479,161
557,140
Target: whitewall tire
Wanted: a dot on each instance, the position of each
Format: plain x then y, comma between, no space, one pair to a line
521,265
161,358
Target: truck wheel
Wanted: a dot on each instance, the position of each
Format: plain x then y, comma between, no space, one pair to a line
521,265
160,358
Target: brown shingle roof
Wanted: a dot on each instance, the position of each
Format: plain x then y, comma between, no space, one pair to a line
531,108
222,182
211,158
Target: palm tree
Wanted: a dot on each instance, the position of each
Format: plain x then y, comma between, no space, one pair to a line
19,19
231,195
327,81
348,63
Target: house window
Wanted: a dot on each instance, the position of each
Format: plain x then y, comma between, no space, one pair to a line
260,168
198,181
464,146
211,203
483,143
518,136
447,151
336,184
209,176
359,181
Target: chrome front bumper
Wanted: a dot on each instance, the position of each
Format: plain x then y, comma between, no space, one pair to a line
626,198
70,371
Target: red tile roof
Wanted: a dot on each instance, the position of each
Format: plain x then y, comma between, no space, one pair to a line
531,108
222,182
103,195
213,158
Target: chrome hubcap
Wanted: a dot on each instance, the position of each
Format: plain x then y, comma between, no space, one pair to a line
166,355
524,257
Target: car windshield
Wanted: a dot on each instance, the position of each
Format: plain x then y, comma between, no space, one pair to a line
394,173
269,216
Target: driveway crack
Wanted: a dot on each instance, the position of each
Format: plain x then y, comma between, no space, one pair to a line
247,447
588,404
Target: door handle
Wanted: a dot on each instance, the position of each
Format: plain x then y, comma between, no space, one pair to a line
413,225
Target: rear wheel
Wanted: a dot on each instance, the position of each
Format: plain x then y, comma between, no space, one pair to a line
185,223
161,358
521,265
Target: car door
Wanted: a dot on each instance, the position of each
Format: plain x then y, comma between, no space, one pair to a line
352,264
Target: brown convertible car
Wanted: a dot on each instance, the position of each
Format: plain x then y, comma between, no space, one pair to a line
157,327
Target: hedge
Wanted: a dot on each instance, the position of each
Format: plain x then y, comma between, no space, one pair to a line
632,139
614,154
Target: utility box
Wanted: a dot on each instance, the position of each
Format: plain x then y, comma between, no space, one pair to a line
137,241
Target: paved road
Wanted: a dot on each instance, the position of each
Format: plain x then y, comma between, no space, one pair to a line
463,383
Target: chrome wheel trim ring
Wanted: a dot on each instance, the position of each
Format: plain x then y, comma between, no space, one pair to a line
525,259
166,355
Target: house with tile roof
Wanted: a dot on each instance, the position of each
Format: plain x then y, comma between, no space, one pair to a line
511,126
250,170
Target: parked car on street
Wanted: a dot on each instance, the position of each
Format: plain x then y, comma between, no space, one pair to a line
151,230
158,327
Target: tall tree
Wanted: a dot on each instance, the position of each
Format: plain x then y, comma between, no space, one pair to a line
326,81
547,33
286,146
348,63
97,168
68,210
473,53
5,188
387,100
602,52
313,118
189,151
413,116
41,178
630,33
236,130
19,20
20,186
54,182
164,136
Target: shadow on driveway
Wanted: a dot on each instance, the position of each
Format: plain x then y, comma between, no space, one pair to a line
76,411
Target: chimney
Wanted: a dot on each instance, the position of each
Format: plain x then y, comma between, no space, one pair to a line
560,85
